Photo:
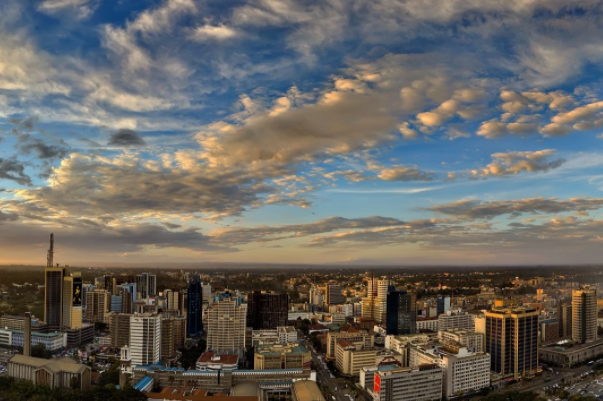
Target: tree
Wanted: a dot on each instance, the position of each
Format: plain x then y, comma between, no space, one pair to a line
110,376
40,351
75,383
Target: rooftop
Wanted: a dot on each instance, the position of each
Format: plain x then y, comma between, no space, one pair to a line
212,357
291,348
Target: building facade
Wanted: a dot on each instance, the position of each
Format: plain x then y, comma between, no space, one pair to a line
194,308
226,326
584,315
145,339
266,310
401,313
423,383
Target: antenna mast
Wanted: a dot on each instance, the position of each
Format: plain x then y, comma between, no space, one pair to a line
50,257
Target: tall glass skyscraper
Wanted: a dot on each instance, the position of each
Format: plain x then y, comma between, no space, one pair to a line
401,316
195,307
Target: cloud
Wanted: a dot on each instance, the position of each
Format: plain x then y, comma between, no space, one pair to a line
126,138
79,8
11,169
405,173
477,209
511,163
211,32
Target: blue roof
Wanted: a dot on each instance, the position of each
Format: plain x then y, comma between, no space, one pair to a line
142,383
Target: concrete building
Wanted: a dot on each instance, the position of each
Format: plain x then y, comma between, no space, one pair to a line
456,319
334,294
549,330
512,341
584,315
354,336
464,371
566,355
55,373
226,326
306,390
16,338
470,339
72,301
442,304
146,284
260,337
422,383
119,327
427,324
145,339
350,358
279,356
97,305
286,334
173,336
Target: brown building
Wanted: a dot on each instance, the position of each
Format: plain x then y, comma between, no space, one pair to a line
119,327
267,310
173,336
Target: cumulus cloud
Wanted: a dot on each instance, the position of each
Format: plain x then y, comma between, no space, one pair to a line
511,163
126,138
405,173
78,8
213,32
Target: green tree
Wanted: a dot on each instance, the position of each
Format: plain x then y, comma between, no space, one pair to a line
40,351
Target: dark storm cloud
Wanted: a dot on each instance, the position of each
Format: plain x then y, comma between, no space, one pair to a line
11,169
42,149
126,138
172,226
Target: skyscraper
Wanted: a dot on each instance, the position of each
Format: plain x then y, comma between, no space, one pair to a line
375,303
584,315
226,326
266,310
97,305
564,316
119,327
53,290
145,338
147,285
512,341
195,307
442,305
72,301
401,312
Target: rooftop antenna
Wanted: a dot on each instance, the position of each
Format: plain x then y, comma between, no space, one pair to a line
50,257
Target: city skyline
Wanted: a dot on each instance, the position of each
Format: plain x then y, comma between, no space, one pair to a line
305,132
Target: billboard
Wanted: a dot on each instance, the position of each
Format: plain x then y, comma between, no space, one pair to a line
377,384
77,291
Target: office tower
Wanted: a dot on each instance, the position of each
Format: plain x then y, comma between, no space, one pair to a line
194,311
119,327
334,294
147,285
72,301
401,313
173,336
266,310
172,300
97,305
423,383
53,290
128,292
226,326
464,370
374,305
27,334
145,338
584,315
85,289
512,341
207,297
442,304
564,316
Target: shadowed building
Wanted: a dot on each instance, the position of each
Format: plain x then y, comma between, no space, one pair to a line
266,310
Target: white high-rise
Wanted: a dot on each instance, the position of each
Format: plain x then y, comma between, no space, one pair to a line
226,326
145,338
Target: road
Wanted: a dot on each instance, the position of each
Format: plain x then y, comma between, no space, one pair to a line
323,376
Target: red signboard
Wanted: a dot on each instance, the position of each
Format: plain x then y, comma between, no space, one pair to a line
377,386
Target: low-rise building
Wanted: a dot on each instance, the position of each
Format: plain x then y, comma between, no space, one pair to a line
350,358
427,324
464,371
355,336
214,361
470,339
286,334
306,390
282,356
15,338
456,319
55,373
569,354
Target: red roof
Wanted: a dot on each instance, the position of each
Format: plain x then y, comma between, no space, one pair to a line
344,343
206,357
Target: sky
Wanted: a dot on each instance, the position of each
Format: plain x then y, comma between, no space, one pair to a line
395,132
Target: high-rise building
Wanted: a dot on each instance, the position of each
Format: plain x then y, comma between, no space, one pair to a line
172,336
119,327
512,341
53,290
584,315
442,304
401,313
374,305
85,289
72,301
266,310
172,298
423,383
97,305
145,338
564,316
334,294
226,326
146,285
194,314
456,319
